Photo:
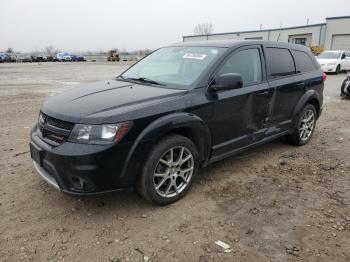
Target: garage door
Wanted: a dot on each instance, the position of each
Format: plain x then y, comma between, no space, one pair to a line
341,42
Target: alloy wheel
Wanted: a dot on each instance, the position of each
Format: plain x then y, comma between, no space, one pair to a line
307,125
173,172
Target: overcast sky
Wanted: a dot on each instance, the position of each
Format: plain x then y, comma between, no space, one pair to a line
79,25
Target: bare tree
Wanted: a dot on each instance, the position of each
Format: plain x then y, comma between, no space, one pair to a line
9,50
204,29
51,51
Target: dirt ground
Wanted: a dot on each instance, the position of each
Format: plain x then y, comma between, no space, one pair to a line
273,203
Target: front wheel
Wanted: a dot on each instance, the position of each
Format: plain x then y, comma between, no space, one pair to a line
337,70
167,174
305,126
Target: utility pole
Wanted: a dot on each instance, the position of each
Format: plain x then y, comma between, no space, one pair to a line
307,21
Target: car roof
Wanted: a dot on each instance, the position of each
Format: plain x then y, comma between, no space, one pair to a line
236,43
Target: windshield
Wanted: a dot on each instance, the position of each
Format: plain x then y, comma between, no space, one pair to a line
329,55
173,65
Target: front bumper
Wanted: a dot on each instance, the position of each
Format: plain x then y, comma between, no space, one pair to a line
81,169
329,68
46,176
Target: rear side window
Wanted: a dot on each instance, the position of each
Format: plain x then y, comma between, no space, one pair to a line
303,62
279,62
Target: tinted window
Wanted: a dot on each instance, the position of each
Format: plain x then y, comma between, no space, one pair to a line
279,62
247,63
303,62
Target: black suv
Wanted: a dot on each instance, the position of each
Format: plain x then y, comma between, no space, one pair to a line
182,107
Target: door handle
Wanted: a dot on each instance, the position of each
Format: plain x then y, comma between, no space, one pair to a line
263,93
301,84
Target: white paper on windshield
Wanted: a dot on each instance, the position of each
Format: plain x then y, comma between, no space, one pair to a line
194,56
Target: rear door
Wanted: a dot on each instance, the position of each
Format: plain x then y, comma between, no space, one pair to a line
289,87
239,114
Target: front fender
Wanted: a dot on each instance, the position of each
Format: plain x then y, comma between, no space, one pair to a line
157,129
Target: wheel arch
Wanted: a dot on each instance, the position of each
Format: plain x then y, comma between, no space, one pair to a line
310,97
185,124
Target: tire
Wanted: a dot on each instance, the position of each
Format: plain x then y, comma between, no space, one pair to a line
172,174
342,90
337,70
304,130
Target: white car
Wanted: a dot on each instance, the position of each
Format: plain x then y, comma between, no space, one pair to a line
334,61
67,58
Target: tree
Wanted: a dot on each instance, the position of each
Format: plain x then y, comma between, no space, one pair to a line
204,29
9,50
51,51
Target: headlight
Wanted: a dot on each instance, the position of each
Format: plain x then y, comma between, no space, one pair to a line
99,134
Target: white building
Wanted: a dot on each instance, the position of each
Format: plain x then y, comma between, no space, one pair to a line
334,34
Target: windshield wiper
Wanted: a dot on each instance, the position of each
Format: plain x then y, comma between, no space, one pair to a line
143,80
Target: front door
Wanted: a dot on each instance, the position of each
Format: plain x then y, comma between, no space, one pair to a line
239,114
345,62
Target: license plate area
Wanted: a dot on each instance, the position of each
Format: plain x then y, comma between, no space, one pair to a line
36,153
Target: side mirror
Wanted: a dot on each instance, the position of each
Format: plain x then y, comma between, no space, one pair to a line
227,82
343,56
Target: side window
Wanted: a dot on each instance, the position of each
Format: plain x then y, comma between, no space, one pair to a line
303,62
279,62
247,63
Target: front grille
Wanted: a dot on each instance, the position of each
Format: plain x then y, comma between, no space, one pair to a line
54,131
58,123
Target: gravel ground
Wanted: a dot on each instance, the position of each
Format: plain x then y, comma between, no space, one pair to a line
273,203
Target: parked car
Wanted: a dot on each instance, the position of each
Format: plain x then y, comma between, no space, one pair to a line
48,58
64,57
6,57
183,107
67,58
25,59
2,58
77,58
334,61
38,58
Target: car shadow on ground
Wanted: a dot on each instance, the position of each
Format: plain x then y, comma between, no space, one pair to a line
125,201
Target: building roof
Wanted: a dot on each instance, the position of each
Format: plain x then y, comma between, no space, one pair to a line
274,29
263,30
337,17
234,43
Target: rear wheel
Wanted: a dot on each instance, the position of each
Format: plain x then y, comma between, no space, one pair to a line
167,174
305,126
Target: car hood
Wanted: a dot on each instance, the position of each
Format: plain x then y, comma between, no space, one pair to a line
327,61
107,101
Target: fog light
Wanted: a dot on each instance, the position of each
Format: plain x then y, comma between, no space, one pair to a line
82,184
